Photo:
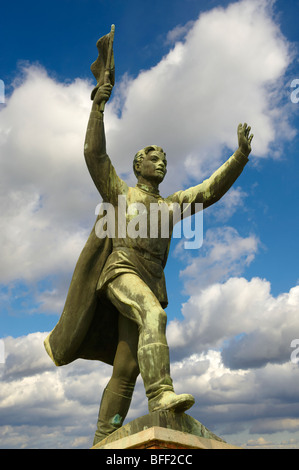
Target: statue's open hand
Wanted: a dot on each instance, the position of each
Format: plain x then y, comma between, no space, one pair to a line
103,93
244,138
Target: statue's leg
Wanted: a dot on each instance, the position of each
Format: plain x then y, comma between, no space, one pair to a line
118,393
134,299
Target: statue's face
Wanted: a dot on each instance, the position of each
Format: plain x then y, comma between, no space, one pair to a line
153,167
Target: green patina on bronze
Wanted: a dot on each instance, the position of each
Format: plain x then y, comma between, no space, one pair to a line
114,310
164,419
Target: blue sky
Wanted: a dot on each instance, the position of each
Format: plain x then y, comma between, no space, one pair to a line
187,72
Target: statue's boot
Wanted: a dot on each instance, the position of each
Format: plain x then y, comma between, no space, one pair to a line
113,410
154,367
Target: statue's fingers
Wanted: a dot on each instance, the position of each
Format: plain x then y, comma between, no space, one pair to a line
107,87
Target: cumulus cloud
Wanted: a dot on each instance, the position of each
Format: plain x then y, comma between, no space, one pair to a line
227,69
178,33
231,202
224,253
243,319
45,196
43,406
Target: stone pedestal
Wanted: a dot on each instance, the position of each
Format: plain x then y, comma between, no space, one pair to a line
163,430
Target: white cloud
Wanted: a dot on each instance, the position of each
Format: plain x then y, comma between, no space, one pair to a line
233,200
228,69
224,253
242,317
46,197
43,406
47,407
179,32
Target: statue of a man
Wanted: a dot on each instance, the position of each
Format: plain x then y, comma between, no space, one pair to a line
131,278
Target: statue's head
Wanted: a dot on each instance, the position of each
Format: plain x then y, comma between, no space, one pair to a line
150,164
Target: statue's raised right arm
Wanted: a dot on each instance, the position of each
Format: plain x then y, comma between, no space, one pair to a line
99,165
95,141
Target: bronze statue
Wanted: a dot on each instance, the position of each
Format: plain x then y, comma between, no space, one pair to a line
115,308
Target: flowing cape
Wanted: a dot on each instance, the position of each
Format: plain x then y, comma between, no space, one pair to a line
88,326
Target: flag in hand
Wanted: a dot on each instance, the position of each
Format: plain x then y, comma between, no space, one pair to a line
103,68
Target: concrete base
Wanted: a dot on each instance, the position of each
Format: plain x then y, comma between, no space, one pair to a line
163,430
162,438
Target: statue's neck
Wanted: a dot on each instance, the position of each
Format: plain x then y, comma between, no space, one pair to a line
148,187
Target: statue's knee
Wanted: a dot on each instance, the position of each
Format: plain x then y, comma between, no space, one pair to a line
162,318
157,319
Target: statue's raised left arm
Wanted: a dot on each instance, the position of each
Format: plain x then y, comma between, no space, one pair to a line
213,188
